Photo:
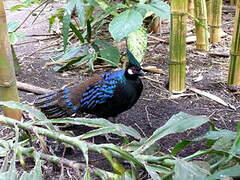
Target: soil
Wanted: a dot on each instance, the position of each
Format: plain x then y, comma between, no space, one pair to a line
155,106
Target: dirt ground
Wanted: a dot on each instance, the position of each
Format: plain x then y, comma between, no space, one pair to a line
155,106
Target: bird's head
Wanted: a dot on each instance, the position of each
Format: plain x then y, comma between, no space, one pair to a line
133,67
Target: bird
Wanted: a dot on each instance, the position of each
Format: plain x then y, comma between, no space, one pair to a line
105,95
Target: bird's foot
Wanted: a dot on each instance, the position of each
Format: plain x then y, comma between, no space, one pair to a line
110,138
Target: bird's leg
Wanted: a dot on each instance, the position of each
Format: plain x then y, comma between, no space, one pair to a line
109,137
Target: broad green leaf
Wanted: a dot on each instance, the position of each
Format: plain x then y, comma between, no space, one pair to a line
74,62
180,146
187,170
228,172
73,53
125,23
214,135
177,123
222,144
17,105
236,145
83,146
104,125
137,43
160,8
12,26
152,172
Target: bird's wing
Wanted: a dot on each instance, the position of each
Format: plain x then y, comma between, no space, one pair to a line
98,93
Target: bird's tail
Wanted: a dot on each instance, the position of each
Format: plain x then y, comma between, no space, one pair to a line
49,105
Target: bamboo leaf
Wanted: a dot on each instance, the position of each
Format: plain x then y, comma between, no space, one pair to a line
125,23
177,123
189,171
228,172
213,97
76,32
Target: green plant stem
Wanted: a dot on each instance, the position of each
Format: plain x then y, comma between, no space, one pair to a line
63,161
74,141
200,11
234,69
8,88
177,72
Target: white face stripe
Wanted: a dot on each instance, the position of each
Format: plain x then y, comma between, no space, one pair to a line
130,72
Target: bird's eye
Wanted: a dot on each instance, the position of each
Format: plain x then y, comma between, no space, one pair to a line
130,71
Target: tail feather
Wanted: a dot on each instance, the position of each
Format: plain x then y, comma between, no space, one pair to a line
49,105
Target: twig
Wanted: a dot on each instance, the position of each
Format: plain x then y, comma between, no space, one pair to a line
144,134
150,123
39,13
42,49
31,88
31,13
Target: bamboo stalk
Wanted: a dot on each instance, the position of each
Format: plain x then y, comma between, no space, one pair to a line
209,11
8,88
234,69
177,62
200,12
232,2
191,7
216,21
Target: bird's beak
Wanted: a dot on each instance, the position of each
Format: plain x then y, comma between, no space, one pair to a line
141,73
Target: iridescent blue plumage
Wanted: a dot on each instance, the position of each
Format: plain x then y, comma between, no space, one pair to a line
106,95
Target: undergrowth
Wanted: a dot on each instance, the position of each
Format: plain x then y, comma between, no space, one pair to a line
136,158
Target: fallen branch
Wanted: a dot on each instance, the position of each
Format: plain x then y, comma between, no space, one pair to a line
32,88
153,69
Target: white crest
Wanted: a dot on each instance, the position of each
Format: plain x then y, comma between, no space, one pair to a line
130,71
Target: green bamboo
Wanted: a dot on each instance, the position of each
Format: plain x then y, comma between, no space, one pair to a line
216,21
200,12
177,62
191,7
234,69
8,88
209,11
